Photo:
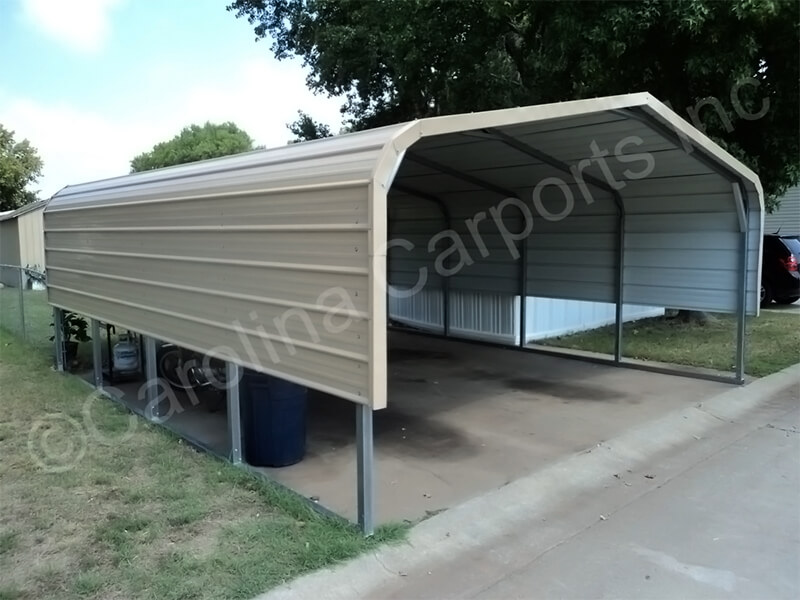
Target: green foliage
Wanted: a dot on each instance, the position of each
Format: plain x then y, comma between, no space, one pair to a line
195,143
74,328
395,61
20,166
305,128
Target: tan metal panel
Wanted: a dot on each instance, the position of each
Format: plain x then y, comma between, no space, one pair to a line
342,376
300,207
283,286
296,288
346,249
31,239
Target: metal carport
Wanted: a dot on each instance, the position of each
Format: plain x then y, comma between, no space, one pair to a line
277,260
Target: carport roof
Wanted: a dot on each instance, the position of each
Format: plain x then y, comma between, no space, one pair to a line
380,150
687,236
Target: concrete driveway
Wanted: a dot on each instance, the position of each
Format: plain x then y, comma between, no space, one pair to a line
464,419
698,503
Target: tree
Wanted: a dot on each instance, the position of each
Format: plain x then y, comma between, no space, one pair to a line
305,128
395,61
195,143
20,166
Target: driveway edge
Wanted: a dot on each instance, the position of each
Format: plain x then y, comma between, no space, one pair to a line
486,519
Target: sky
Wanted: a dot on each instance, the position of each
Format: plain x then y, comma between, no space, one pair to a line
93,83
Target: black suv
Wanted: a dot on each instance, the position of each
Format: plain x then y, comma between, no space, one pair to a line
780,280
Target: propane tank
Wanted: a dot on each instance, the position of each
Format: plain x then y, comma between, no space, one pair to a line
126,354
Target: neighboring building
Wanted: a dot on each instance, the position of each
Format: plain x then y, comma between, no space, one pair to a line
21,242
786,219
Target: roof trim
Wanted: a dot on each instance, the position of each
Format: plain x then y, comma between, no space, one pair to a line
7,216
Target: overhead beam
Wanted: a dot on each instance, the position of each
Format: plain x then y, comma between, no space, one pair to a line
563,167
552,161
406,189
455,173
679,139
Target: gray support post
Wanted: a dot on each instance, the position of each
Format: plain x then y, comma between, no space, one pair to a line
365,469
151,377
446,283
234,378
58,339
22,303
523,291
619,318
741,198
97,355
741,317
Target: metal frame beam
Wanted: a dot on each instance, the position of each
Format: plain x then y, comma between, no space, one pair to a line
679,139
365,469
22,302
151,379
741,317
97,355
233,381
58,339
455,173
523,291
552,161
560,165
741,205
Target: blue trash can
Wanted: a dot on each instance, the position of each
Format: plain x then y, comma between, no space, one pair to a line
275,420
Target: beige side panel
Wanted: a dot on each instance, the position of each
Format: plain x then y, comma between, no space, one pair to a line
378,360
280,285
31,239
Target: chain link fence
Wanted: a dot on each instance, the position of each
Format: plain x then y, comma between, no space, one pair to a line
24,310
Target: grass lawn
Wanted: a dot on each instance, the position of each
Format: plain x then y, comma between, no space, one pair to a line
38,316
773,342
140,514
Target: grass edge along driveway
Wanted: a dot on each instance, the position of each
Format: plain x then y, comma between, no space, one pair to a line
772,342
98,503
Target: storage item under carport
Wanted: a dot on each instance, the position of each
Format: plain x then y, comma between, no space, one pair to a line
274,412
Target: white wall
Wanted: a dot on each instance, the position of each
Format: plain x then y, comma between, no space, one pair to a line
495,317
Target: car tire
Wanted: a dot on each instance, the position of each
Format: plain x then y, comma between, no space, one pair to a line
766,294
790,300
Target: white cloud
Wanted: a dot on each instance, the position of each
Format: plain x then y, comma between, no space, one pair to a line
83,25
78,144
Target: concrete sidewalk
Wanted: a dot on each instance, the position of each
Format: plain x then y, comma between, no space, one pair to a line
601,508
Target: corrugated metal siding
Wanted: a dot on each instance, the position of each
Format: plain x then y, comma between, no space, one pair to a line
9,252
31,239
483,316
548,317
495,317
423,310
251,276
580,247
786,219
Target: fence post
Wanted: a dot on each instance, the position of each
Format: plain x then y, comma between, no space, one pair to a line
22,302
58,339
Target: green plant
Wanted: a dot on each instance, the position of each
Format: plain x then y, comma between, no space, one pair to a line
74,328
